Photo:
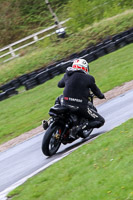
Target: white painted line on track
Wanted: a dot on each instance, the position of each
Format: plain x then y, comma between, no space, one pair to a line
4,193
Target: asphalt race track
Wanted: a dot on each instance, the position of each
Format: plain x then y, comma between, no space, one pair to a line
26,158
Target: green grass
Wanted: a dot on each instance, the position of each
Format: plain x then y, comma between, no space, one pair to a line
99,170
20,18
51,50
25,111
114,69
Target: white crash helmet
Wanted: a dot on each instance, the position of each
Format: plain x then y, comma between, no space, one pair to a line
81,64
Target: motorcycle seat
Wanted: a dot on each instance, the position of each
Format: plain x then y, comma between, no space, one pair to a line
72,109
58,109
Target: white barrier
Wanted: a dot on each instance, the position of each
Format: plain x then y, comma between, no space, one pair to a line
35,38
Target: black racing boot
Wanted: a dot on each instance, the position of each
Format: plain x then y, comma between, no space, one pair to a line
95,124
86,133
84,130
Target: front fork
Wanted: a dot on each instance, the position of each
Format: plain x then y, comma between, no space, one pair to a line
64,131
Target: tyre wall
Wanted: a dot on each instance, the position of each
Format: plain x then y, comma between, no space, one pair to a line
42,75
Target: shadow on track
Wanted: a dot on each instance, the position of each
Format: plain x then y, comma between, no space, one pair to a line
74,145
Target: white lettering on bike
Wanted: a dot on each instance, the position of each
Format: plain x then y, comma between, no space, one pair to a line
76,100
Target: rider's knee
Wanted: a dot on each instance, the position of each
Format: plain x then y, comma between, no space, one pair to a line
102,121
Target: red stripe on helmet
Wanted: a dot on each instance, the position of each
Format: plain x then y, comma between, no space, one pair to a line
78,67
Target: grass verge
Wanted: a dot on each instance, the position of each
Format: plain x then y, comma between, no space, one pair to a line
51,50
99,170
25,111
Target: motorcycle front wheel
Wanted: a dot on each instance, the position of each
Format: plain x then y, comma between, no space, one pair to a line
51,140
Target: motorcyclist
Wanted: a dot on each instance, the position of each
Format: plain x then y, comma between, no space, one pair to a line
77,84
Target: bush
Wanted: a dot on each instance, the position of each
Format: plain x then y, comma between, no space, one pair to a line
85,12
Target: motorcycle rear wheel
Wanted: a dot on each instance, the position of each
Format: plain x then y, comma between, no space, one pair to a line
51,140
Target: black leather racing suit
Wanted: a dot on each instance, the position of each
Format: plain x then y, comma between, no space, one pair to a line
77,85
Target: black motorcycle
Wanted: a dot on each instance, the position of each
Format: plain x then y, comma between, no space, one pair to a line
59,126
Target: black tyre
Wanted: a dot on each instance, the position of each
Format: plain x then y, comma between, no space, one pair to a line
51,140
